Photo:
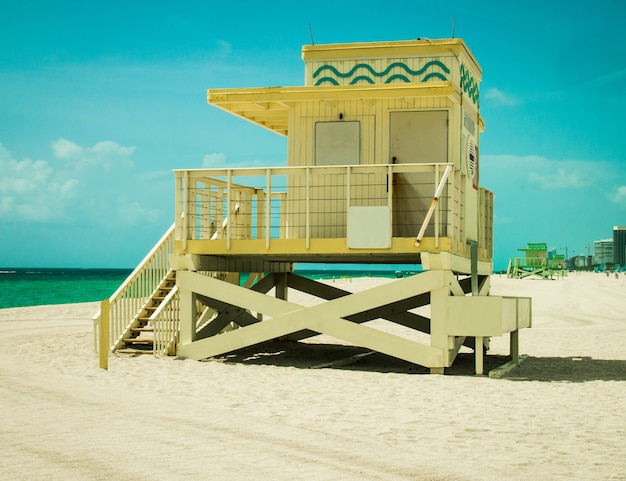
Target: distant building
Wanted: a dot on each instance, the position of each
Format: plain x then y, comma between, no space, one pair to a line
619,245
603,251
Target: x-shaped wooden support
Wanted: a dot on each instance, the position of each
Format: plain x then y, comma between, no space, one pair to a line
284,318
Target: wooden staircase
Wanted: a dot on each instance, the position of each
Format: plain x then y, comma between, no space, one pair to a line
140,337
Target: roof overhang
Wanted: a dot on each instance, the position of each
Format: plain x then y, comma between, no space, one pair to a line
269,106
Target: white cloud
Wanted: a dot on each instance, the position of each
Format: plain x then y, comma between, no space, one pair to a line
21,176
107,147
607,79
32,190
105,153
133,213
225,49
547,173
89,186
499,98
560,178
619,196
156,175
218,160
214,161
64,149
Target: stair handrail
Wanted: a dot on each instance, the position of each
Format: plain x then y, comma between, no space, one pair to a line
133,275
127,300
141,312
166,324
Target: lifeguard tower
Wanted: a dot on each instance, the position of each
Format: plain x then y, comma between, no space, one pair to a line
383,168
536,262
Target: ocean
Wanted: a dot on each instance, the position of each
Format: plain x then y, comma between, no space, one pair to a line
21,287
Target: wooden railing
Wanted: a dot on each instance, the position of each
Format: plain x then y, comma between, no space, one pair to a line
129,300
166,324
166,320
257,206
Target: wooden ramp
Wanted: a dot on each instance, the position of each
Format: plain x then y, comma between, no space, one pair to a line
260,317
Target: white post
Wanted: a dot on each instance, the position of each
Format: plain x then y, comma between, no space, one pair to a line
185,209
229,199
268,207
104,334
478,352
188,316
439,324
348,187
307,207
437,210
514,344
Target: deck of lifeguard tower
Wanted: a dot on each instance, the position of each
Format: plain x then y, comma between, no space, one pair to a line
382,168
342,214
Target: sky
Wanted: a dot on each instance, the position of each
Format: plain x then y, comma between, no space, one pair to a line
99,101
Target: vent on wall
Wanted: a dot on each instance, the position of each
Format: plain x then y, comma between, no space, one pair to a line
471,156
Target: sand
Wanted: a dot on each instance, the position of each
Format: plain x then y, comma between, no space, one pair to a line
265,415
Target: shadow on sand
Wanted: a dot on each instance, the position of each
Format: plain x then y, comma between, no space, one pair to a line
316,356
568,369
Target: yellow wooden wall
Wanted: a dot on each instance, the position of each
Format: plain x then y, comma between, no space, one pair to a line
462,204
374,149
374,119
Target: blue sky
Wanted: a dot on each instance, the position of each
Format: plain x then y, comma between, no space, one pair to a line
99,101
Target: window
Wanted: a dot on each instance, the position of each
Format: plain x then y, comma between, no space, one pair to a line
337,143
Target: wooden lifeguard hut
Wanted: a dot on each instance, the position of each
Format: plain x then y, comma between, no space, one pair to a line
382,168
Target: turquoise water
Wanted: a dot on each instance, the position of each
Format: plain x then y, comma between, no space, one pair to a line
34,286
20,287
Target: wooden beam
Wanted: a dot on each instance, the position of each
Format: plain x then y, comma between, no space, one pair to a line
395,312
380,341
326,318
104,335
315,288
235,295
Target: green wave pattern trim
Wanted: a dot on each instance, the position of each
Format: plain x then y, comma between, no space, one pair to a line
339,74
469,85
330,80
434,75
356,79
394,77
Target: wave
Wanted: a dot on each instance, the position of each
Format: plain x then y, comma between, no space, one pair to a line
383,73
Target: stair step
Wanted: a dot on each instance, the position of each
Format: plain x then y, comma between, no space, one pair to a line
142,329
135,351
139,340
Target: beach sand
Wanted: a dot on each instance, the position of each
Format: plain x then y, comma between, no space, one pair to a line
263,414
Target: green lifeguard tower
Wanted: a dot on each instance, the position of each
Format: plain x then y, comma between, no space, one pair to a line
536,262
